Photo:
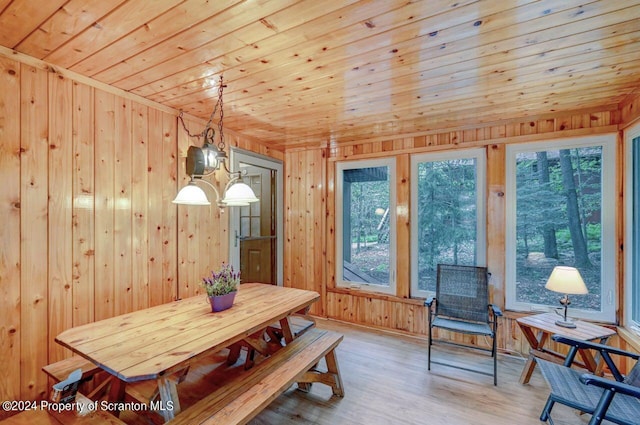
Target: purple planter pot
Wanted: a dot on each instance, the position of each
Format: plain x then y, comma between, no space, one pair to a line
222,302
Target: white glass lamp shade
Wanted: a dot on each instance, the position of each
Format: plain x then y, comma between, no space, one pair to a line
239,194
566,280
191,195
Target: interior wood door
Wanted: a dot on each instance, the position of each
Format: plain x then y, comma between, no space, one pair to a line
257,230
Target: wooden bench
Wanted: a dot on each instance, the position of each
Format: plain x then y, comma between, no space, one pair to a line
250,391
59,371
71,417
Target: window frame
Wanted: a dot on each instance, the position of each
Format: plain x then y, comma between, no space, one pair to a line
630,254
480,155
608,244
366,163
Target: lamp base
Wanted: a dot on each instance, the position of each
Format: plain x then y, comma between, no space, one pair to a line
566,324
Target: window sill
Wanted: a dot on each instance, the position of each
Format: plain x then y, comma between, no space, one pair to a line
363,293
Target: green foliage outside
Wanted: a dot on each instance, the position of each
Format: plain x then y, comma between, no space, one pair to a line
446,216
369,225
558,210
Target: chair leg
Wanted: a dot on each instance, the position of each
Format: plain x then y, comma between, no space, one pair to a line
495,362
546,412
605,400
429,351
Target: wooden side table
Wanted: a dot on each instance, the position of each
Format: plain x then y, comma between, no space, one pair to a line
538,328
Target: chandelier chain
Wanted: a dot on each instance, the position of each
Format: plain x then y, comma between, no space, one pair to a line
220,90
207,128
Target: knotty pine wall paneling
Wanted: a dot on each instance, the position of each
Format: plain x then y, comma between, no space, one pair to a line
403,229
162,180
104,295
83,198
154,198
34,187
139,210
60,210
10,231
630,110
305,239
122,212
496,208
89,231
168,189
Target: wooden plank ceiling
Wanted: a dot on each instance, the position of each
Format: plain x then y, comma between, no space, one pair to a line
330,71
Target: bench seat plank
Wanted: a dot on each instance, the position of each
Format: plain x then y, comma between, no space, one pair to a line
60,370
250,391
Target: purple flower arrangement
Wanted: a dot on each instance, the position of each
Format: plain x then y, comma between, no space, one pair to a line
221,282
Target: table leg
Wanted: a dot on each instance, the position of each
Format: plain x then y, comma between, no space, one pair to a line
536,343
234,353
525,376
286,329
169,401
594,364
116,392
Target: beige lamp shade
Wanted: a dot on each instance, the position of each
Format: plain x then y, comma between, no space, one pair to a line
566,280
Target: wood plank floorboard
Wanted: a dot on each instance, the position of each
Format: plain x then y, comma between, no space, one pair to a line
386,382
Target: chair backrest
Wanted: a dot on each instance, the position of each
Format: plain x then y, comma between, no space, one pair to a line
462,292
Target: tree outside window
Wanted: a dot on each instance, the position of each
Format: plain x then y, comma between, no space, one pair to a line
561,217
448,219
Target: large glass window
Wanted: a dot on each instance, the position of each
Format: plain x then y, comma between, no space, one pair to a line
561,211
632,196
448,218
365,216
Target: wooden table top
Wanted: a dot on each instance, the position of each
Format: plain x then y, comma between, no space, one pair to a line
148,343
583,330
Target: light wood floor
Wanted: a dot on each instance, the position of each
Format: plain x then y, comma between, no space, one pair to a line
386,382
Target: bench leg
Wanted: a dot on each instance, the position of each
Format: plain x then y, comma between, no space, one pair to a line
332,367
331,377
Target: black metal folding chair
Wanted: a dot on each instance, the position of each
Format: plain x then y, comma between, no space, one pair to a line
462,305
616,400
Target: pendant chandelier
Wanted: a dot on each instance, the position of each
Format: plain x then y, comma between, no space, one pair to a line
204,161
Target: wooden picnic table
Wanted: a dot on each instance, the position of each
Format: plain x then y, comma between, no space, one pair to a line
154,343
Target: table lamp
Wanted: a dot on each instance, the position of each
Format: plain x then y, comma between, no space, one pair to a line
566,280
